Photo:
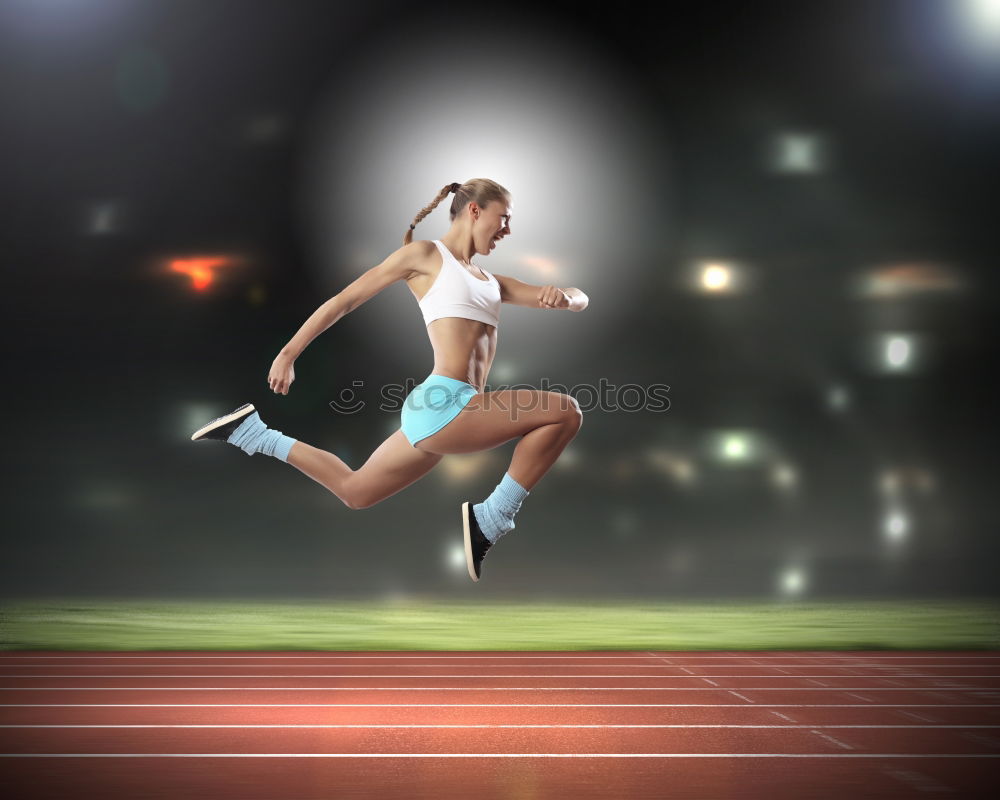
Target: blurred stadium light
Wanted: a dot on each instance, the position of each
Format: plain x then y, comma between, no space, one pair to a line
503,371
980,21
569,458
676,466
907,279
457,470
792,581
785,477
103,218
896,525
899,352
736,446
798,153
718,277
715,277
201,269
838,398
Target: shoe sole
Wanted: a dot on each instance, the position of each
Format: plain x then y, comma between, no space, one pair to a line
466,510
218,423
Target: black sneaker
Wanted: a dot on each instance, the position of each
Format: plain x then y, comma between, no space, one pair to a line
476,543
223,427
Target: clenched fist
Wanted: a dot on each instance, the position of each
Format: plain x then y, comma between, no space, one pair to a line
282,374
553,297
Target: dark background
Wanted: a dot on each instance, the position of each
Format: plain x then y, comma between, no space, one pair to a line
138,133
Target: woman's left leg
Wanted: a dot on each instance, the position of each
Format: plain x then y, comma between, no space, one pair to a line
393,466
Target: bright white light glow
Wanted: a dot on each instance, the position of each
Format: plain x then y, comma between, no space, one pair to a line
419,109
798,153
983,21
735,448
739,446
896,525
715,277
793,581
897,351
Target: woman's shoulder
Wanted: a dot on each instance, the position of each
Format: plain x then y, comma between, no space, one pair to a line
422,256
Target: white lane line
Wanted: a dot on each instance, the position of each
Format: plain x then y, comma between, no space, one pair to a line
818,683
742,697
869,700
709,680
689,672
695,725
833,740
783,716
843,689
487,705
498,755
662,658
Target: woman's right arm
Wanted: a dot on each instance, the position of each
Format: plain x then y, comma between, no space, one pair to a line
401,265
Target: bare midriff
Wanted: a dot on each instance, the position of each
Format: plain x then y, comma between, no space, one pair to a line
463,348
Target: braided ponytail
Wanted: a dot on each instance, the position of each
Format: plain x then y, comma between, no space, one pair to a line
451,187
479,190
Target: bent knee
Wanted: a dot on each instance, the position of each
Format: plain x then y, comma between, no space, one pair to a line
573,414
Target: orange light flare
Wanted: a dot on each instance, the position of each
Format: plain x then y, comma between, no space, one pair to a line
201,269
545,267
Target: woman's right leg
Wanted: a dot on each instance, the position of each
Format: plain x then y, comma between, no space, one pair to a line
545,421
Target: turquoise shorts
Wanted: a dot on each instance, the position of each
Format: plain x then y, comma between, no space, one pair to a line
433,404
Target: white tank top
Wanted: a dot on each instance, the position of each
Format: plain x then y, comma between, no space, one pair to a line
456,292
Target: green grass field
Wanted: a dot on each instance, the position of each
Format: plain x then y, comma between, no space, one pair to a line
462,625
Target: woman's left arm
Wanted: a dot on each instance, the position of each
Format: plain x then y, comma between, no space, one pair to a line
520,293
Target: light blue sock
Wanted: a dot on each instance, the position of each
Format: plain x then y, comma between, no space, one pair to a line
495,514
253,436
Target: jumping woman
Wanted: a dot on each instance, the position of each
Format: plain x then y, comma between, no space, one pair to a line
449,412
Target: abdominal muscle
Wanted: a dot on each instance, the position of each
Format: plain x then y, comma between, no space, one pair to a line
463,348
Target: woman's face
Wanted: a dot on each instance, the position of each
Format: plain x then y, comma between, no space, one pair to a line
492,225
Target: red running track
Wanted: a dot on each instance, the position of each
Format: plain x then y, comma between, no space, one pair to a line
516,726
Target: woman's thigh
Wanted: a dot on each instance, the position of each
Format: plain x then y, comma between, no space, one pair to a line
393,466
492,418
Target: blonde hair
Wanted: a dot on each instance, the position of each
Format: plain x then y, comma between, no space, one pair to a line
481,191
